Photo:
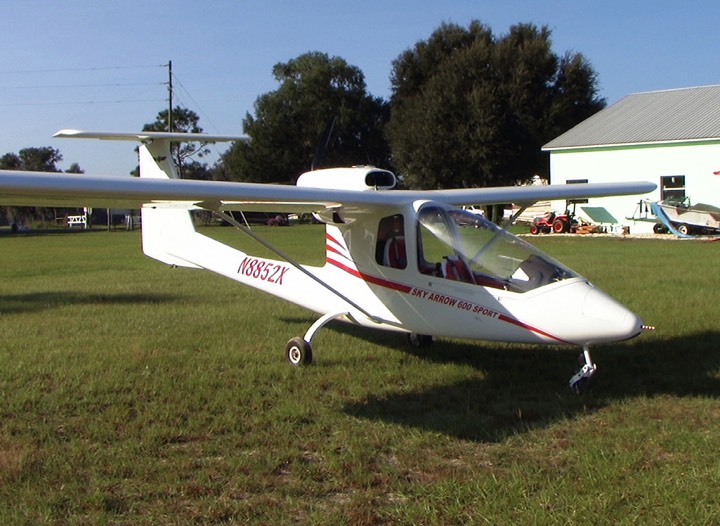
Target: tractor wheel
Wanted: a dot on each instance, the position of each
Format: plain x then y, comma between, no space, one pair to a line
534,230
558,226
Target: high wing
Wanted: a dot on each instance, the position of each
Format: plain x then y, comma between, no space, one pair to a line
320,190
64,190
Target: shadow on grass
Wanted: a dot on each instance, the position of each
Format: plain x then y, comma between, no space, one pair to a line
522,388
7,232
40,301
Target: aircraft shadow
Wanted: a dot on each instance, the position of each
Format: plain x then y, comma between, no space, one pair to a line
520,388
40,301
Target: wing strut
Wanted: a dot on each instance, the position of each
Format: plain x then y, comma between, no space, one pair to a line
510,220
298,266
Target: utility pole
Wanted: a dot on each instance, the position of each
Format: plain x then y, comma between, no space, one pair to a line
170,97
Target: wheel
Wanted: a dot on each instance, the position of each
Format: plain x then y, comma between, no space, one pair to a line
683,229
581,386
558,226
546,230
534,230
298,352
419,340
659,229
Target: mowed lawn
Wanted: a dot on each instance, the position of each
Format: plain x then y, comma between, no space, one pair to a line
133,393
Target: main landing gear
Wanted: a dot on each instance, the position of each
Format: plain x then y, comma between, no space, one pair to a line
419,340
299,350
580,380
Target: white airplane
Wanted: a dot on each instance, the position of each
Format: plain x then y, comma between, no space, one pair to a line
398,260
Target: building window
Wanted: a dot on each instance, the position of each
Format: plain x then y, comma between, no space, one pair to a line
575,201
672,187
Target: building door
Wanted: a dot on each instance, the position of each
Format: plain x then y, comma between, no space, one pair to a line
672,187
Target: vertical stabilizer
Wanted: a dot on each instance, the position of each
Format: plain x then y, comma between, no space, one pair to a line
164,230
168,233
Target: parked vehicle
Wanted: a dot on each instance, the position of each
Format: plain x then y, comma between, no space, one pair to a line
683,218
551,222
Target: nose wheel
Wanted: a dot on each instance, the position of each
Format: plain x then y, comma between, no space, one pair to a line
580,380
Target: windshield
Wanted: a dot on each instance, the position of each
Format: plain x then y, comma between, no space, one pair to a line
462,246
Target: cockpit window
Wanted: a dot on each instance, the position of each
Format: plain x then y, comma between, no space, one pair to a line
390,248
462,246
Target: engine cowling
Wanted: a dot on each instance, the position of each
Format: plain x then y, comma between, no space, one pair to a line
360,178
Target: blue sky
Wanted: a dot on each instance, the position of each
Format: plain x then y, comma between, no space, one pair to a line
99,65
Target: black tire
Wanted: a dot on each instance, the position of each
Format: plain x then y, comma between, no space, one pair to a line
298,352
659,228
683,229
419,340
559,226
534,230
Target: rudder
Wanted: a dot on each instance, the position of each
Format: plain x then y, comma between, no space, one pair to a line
164,229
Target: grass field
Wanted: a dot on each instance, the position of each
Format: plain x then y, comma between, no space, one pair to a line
131,393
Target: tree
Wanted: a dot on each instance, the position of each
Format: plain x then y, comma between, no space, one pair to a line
42,159
290,122
470,109
75,169
10,161
184,121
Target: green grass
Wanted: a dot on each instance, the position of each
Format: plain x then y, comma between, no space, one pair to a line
132,393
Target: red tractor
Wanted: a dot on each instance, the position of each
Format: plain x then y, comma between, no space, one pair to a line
550,222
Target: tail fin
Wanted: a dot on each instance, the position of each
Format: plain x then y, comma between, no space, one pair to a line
164,230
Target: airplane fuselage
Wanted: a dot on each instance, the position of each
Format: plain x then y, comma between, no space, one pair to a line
551,306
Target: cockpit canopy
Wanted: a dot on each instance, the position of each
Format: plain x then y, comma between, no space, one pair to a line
459,245
463,246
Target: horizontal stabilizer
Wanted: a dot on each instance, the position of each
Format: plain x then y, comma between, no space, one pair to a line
149,136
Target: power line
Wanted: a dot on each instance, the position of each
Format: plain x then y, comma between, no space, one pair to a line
70,85
79,102
204,114
69,70
114,85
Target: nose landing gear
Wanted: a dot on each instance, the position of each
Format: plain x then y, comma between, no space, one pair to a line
580,380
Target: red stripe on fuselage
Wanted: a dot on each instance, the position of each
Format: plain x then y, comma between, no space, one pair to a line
400,287
522,325
335,250
369,278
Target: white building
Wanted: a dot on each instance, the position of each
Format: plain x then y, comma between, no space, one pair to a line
671,138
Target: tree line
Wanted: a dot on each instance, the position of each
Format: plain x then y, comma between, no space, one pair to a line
468,108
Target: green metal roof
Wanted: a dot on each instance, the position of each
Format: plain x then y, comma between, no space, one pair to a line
680,115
